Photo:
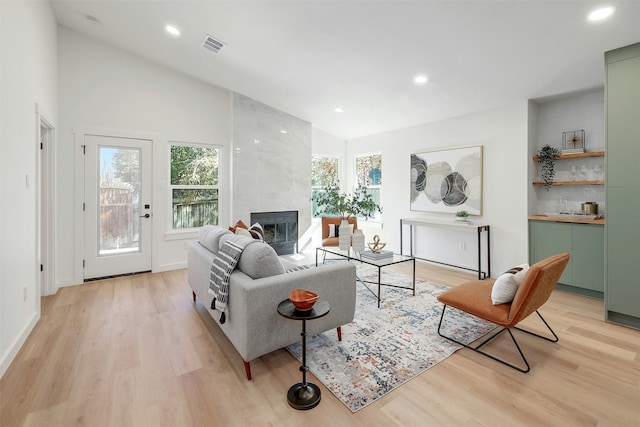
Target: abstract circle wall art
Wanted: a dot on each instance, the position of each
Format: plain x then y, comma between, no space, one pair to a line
447,180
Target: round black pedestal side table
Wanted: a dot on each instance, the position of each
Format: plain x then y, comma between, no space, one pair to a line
303,395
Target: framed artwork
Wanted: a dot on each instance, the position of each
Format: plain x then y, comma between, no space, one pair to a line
573,141
447,181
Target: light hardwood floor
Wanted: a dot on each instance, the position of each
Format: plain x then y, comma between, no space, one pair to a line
136,351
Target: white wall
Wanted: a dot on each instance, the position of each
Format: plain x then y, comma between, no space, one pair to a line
325,144
102,88
503,133
28,77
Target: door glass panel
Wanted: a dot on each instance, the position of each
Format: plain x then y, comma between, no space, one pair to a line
119,200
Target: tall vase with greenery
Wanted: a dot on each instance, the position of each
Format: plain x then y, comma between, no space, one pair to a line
331,201
547,156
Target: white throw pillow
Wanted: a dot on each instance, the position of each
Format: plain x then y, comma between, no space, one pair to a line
334,229
506,286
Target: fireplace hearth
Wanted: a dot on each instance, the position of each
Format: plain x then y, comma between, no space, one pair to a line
280,230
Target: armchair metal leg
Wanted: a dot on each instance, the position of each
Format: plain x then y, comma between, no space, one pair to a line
477,349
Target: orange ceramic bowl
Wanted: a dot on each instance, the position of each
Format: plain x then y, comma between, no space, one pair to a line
302,299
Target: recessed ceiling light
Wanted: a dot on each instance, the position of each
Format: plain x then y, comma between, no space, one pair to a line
172,30
338,110
602,13
257,141
283,131
420,80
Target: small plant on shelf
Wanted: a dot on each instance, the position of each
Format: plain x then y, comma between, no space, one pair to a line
547,156
462,215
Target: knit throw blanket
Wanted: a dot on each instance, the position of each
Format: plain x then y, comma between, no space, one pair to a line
223,265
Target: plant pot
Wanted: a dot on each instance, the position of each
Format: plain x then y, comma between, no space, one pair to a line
357,240
344,235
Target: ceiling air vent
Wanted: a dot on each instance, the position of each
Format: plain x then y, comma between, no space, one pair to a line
212,44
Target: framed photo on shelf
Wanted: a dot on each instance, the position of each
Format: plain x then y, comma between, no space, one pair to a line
573,141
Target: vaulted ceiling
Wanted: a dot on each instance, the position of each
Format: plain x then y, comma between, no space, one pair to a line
308,57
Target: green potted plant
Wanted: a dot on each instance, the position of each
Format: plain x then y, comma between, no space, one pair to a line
331,201
547,156
462,215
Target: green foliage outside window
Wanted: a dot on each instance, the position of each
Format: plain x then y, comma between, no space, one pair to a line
194,165
324,171
369,170
194,186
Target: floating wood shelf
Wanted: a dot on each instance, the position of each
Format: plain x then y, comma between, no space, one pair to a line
576,155
571,183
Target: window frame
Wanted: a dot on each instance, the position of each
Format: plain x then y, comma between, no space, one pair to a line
315,188
171,187
377,187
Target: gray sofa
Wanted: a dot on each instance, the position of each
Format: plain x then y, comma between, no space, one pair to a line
259,282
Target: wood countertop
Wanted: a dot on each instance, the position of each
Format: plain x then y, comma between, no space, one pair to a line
574,220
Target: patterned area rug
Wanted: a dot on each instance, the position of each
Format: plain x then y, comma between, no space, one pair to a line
384,348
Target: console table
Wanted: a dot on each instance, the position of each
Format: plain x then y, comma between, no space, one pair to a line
458,225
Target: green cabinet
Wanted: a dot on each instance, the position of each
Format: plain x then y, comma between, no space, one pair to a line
584,273
622,190
588,253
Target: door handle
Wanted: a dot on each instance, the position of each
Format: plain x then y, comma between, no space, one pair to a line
145,216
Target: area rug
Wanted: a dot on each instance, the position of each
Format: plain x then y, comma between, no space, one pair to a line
386,347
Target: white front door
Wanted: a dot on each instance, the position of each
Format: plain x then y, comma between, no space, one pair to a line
117,211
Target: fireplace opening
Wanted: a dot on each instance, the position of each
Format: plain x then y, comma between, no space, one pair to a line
280,230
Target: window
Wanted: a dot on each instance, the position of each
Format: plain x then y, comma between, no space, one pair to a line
369,174
324,171
194,185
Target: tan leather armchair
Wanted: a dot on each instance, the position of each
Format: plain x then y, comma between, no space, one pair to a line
474,297
326,220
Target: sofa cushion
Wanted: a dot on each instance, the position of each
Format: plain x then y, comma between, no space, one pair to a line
506,286
258,259
242,232
209,237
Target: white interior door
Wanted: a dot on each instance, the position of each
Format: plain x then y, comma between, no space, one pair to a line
117,212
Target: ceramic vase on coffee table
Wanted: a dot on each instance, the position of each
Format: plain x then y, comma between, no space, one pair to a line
357,240
344,235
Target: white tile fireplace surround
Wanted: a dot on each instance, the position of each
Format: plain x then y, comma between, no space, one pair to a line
271,162
280,230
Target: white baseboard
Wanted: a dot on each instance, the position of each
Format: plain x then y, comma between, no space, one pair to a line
169,267
15,347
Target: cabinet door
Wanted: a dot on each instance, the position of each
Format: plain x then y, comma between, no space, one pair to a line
550,238
588,256
623,251
623,123
622,193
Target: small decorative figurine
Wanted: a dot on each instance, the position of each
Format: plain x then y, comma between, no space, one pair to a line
376,246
